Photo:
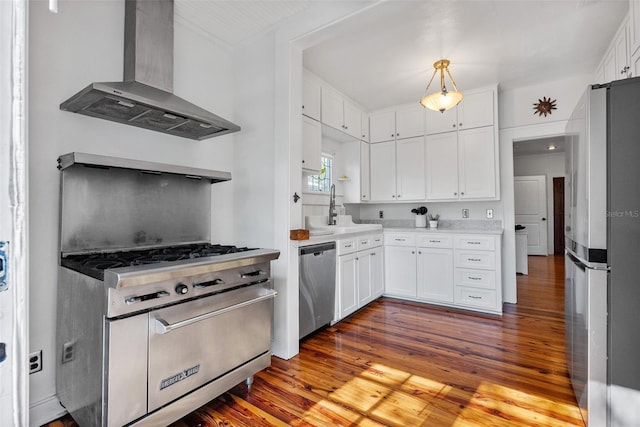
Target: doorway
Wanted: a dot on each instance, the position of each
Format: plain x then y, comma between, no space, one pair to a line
558,215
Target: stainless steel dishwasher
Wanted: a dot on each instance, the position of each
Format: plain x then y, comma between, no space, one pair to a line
317,286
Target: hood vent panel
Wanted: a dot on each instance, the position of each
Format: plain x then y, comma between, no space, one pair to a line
142,103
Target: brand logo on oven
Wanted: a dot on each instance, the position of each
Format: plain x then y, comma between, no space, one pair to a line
179,377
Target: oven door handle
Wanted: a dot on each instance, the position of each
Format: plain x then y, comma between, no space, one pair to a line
163,327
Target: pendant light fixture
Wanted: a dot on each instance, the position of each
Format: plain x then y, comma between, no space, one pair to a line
445,99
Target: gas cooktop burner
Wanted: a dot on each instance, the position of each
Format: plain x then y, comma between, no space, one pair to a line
95,264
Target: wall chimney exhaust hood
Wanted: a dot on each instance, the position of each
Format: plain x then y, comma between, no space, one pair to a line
145,97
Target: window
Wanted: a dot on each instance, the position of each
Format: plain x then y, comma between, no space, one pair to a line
322,181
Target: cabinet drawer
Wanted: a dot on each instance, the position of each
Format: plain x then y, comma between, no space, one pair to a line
474,297
377,240
347,246
435,240
485,279
400,239
363,242
476,259
483,243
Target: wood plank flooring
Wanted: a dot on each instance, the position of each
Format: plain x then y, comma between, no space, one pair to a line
398,363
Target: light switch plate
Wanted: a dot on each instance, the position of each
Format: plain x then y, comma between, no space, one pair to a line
465,213
489,213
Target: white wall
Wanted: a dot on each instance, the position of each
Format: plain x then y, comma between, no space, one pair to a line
67,51
552,166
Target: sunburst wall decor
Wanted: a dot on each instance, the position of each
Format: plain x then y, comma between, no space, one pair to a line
544,106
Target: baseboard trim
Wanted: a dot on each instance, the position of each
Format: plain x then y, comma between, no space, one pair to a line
45,411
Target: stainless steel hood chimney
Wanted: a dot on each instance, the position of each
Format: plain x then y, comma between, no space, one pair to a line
145,97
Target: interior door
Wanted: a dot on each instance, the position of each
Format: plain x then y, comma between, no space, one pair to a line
531,211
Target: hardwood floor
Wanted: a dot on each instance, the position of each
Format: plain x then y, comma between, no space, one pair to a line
397,363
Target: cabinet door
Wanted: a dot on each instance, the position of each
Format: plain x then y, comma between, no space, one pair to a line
352,119
347,284
476,110
610,69
364,126
442,166
311,98
364,277
377,272
410,122
410,181
400,271
435,274
383,171
622,53
311,144
477,163
332,109
438,122
382,126
365,186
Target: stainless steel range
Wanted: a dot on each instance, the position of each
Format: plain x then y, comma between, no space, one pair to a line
153,320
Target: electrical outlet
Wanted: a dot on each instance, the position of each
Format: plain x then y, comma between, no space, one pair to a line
35,362
465,213
489,213
381,214
68,352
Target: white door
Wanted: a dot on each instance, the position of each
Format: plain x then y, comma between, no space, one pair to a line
531,211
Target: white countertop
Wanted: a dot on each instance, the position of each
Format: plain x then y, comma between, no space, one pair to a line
341,236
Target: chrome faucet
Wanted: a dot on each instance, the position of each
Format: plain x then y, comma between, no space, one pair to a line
332,205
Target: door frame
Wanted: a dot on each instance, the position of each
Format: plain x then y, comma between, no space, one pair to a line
13,209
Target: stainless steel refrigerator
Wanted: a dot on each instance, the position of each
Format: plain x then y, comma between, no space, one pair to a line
602,287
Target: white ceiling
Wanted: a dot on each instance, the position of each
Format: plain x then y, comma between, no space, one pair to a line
539,146
384,55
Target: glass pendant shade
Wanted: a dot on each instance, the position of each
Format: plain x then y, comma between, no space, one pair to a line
444,99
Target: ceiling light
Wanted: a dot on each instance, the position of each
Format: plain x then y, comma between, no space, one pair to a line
445,99
551,147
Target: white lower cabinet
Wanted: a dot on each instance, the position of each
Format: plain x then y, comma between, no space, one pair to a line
400,265
435,274
457,270
360,273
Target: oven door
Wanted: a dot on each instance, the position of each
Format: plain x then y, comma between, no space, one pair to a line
193,343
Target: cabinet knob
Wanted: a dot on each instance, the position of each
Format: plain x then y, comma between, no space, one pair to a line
391,135
419,252
393,197
399,195
363,136
454,125
303,161
303,107
413,252
544,219
455,194
459,124
462,193
397,134
364,196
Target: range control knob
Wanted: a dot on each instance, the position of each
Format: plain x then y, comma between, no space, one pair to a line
182,289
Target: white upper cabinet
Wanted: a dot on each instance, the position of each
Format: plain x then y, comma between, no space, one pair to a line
310,97
397,170
410,122
475,110
477,168
365,186
404,122
339,113
617,61
634,27
410,184
383,171
382,126
442,166
311,144
364,127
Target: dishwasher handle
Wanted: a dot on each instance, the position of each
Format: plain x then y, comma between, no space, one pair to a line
313,249
163,327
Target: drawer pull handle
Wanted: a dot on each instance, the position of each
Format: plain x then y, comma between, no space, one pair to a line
474,259
473,243
399,240
434,241
474,297
474,278
347,246
253,274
